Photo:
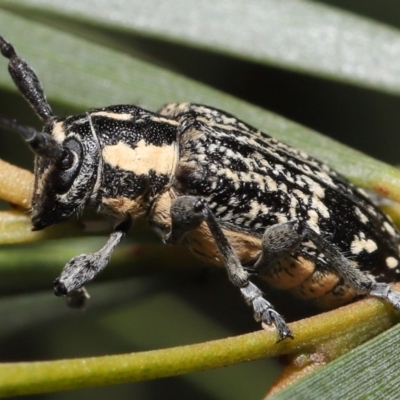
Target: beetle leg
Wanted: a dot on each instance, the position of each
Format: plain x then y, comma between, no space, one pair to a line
352,275
84,267
282,239
187,213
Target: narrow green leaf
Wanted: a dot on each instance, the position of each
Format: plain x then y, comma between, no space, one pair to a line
97,76
332,43
371,371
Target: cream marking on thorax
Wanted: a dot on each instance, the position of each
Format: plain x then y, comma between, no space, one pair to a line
143,158
108,114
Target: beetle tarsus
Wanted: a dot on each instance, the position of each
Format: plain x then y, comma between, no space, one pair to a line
77,299
264,311
384,291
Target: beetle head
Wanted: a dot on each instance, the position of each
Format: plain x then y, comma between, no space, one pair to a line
67,156
64,177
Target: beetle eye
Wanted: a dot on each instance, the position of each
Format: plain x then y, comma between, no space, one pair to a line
67,160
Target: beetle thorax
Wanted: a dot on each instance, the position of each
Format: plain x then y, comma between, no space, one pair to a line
134,175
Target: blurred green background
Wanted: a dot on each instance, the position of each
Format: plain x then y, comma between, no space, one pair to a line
327,65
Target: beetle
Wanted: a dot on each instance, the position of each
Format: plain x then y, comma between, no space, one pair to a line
235,196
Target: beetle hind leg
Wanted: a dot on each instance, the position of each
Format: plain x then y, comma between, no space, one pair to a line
281,240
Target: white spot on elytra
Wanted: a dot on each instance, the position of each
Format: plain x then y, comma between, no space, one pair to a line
279,168
363,218
360,243
228,173
300,182
301,195
314,187
313,221
389,228
363,193
260,181
282,187
245,177
324,177
254,210
391,262
318,205
293,205
281,217
271,184
264,209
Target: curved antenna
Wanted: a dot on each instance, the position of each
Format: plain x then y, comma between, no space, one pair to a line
26,81
41,143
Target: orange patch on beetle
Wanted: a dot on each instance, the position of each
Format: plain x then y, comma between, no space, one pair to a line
202,244
339,296
200,241
123,206
160,213
317,285
288,272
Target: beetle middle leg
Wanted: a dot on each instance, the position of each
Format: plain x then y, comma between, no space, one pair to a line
187,213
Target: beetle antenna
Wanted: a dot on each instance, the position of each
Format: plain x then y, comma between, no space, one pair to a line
41,143
26,81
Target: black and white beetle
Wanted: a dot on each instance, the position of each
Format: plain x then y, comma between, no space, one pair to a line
234,195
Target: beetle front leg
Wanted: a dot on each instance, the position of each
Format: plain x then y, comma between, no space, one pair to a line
187,213
83,268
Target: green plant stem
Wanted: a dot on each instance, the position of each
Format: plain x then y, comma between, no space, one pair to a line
351,325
